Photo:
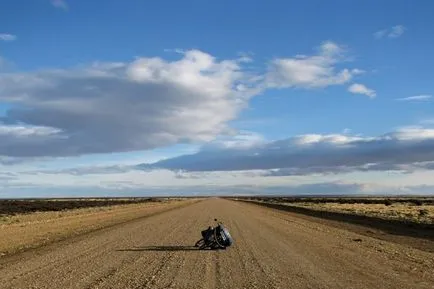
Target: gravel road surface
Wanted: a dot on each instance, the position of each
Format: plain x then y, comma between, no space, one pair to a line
273,249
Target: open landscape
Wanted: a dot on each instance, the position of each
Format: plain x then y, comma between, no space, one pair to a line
150,245
407,210
216,144
28,224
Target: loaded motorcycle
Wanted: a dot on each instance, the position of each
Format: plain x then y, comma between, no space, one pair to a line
215,238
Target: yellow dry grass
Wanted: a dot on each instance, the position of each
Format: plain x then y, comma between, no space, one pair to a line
396,211
25,231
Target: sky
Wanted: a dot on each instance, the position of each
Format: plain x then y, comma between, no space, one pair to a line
139,98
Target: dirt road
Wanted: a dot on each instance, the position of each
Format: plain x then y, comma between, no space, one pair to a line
272,249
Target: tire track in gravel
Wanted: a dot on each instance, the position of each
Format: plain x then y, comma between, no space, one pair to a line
143,263
250,262
165,266
65,267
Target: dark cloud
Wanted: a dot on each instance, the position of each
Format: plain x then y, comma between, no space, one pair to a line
317,154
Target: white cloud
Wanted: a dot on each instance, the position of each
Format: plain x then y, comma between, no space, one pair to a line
316,164
61,4
393,32
164,182
335,139
7,37
311,71
241,140
421,97
357,71
361,89
412,133
26,131
149,102
116,107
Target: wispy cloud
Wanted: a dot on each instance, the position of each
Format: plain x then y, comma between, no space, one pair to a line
380,34
61,4
358,88
421,97
393,32
7,37
396,31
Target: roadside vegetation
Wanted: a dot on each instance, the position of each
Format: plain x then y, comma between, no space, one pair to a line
417,210
10,207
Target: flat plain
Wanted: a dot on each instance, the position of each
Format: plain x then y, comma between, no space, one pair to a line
273,248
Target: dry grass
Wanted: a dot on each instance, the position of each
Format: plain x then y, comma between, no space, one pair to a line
396,211
22,231
13,207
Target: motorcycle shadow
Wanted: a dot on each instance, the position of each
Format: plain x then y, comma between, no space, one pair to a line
162,248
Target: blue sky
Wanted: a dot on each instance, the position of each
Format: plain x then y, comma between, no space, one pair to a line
94,95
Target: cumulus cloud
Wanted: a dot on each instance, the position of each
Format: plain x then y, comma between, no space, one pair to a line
61,4
420,97
115,107
314,153
393,32
311,71
358,88
7,37
147,103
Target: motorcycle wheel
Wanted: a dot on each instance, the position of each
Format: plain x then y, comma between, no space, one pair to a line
200,243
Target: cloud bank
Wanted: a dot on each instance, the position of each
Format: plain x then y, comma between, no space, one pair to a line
116,107
146,103
248,164
405,149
